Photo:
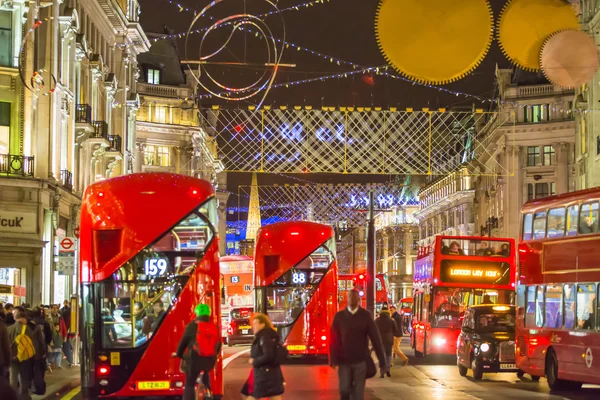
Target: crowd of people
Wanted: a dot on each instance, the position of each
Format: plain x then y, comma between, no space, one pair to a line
33,342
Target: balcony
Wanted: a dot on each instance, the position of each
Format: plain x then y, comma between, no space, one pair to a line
164,90
100,130
66,179
114,143
14,165
83,114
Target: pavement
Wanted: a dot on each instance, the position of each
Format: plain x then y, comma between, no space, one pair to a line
432,378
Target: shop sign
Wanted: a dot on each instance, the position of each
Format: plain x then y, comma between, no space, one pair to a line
18,222
5,289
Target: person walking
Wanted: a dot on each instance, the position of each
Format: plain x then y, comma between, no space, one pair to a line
266,378
27,341
349,350
387,330
4,353
41,360
199,347
398,337
56,355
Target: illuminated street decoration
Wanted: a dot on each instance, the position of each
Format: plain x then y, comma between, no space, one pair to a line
327,204
353,140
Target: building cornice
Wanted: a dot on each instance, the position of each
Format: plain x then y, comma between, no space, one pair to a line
445,203
153,127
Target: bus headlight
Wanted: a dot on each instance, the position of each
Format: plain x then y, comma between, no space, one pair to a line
438,341
484,347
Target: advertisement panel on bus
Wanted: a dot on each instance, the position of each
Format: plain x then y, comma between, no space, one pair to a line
451,275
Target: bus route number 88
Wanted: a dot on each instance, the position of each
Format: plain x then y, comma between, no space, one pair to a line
298,278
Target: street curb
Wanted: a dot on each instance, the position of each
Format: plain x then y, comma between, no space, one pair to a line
62,390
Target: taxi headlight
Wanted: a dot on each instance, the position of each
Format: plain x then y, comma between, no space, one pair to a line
485,347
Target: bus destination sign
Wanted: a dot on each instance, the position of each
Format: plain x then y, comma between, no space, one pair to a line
461,271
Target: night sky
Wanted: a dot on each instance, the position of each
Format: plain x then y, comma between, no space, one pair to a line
342,29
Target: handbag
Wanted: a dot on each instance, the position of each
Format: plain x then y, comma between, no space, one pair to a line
371,367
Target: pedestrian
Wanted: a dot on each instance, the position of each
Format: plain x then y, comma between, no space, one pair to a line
398,337
4,353
9,318
65,324
387,330
27,341
56,354
6,392
199,348
349,350
266,355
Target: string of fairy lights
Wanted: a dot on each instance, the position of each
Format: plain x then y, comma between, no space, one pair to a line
357,68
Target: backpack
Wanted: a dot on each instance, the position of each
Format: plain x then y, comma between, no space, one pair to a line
207,339
25,349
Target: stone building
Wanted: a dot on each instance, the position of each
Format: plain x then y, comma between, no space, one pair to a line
67,115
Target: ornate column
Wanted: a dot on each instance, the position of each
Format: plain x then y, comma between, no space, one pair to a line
562,167
139,158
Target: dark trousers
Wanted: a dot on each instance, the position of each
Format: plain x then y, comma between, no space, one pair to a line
352,381
388,356
21,376
39,376
195,366
68,350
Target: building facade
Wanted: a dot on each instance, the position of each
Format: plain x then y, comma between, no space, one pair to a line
67,108
587,114
533,155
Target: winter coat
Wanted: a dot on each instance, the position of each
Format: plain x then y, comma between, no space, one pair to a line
268,378
46,328
387,329
398,319
4,347
57,341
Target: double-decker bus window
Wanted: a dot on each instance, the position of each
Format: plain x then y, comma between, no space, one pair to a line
378,284
572,218
447,307
136,298
530,310
539,307
290,293
569,296
527,228
586,306
588,218
539,225
553,305
471,247
556,223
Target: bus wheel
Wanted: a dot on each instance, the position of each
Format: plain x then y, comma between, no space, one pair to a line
520,374
554,381
462,370
477,370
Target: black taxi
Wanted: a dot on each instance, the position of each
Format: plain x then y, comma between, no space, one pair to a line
487,340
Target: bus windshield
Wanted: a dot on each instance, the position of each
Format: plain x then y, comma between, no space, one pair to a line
289,294
135,299
449,304
475,247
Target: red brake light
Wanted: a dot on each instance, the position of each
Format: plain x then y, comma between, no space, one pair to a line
103,370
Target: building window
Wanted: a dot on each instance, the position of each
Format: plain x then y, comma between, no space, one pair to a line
541,190
533,156
6,38
157,156
4,127
537,113
154,76
549,154
598,145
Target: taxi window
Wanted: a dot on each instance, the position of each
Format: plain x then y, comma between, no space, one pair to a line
588,218
527,231
495,322
572,218
556,223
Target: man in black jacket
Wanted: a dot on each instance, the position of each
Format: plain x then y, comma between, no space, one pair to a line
350,333
387,330
398,337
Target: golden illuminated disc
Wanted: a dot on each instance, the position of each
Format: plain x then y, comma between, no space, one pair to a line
434,41
524,25
569,59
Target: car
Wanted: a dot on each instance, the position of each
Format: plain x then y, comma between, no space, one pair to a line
487,340
239,330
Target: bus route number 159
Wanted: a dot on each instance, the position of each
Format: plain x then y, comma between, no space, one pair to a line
155,267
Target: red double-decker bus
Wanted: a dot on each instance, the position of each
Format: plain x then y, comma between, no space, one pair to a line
451,275
557,295
295,281
358,281
148,256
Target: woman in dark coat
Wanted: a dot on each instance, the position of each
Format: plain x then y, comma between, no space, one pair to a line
266,378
